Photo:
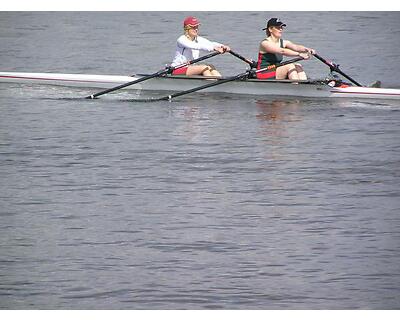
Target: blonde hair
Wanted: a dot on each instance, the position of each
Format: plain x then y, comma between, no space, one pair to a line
187,28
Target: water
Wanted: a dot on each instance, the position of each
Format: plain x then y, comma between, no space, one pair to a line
206,202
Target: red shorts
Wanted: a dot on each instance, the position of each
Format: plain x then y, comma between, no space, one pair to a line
180,71
267,75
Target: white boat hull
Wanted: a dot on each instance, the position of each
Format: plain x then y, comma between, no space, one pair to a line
171,84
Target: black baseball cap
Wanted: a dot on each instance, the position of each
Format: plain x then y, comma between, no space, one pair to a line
274,22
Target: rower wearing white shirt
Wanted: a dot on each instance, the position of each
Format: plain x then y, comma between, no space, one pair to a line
189,45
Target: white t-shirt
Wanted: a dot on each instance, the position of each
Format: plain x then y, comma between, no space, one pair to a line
187,50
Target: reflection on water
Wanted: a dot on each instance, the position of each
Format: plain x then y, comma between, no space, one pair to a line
276,116
190,121
276,109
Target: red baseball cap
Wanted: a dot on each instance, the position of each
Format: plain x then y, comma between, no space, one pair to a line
191,21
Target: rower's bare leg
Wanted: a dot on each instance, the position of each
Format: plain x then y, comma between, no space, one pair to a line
300,72
199,69
207,73
202,69
287,71
215,73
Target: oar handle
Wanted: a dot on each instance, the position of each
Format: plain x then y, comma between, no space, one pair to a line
335,67
252,63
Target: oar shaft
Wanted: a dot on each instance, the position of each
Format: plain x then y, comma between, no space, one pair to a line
248,61
159,73
335,68
154,75
222,81
328,63
210,55
274,66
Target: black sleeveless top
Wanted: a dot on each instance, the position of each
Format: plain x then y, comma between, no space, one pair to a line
267,59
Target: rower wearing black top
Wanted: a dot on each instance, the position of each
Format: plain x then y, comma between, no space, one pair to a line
273,48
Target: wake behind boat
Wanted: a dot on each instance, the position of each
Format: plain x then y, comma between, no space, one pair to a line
325,88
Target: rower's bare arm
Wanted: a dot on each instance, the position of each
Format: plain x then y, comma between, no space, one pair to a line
298,48
267,46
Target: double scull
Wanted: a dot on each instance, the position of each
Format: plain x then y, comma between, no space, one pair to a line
167,83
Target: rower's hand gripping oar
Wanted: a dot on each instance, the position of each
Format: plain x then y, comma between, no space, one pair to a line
335,67
154,75
222,81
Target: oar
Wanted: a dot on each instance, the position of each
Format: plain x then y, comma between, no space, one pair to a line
218,82
252,63
335,67
154,75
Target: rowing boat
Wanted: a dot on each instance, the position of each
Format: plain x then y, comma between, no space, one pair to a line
308,88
